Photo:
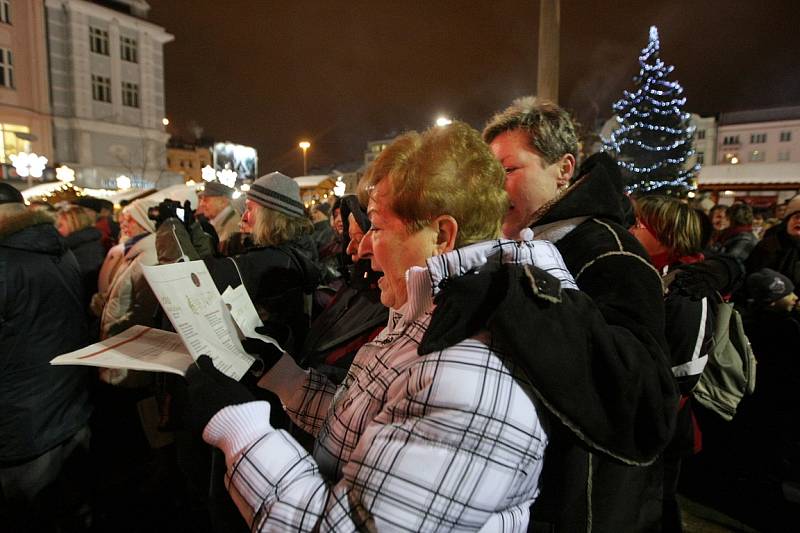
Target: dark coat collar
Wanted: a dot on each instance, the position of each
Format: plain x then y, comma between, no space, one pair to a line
596,192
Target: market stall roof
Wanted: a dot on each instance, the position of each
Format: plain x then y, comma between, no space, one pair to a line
750,173
311,182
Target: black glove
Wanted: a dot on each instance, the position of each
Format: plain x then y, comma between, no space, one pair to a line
266,354
278,331
208,392
188,214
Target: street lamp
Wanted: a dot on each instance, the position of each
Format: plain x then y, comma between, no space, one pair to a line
123,183
443,121
29,165
304,146
65,174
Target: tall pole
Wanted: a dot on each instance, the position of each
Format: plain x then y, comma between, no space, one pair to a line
547,68
304,146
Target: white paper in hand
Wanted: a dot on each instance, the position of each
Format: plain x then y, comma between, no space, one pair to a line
193,304
136,348
244,313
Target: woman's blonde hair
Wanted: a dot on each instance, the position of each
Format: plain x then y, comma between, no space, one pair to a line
443,171
673,223
271,228
76,217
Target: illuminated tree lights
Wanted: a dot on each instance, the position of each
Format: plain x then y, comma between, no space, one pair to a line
653,141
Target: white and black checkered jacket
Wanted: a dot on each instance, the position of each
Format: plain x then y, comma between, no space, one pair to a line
447,441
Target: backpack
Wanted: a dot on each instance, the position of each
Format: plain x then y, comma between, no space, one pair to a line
731,369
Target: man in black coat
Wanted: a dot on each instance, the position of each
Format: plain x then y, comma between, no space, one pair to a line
587,484
44,409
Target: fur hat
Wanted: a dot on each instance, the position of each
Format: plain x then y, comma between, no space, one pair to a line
215,188
767,286
279,192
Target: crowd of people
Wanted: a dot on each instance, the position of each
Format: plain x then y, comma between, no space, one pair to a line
490,335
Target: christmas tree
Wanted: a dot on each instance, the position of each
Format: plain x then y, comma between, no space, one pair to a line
653,140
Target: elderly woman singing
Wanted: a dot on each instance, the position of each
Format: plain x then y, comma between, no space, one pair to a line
451,437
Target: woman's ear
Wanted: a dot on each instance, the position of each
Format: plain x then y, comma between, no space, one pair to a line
566,169
446,229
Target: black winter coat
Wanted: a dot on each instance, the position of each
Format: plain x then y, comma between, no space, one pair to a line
41,316
778,251
584,488
88,248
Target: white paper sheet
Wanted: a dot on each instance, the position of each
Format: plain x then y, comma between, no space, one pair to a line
136,348
193,304
244,313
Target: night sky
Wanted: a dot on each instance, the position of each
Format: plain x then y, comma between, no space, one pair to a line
340,73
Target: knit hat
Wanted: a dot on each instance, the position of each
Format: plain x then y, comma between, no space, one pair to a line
279,192
215,188
138,212
767,286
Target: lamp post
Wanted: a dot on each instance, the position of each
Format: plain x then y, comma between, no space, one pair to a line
29,165
304,146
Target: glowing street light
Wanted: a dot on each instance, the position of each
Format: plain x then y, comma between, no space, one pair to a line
339,188
29,165
65,174
208,173
227,177
165,121
304,146
123,183
443,121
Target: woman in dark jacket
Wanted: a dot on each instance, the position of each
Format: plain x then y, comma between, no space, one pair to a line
276,270
355,315
76,225
671,231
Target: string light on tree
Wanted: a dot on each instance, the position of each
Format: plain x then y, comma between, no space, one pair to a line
653,140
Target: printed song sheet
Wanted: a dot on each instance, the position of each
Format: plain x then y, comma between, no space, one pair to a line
193,304
136,348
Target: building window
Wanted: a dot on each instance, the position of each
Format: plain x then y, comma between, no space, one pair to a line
757,155
101,88
128,49
731,139
701,134
6,68
758,138
700,158
732,158
130,94
98,41
10,143
786,136
784,155
5,11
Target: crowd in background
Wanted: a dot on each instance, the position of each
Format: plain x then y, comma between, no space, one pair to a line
604,347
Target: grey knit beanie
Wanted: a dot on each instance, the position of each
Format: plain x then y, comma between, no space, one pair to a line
279,192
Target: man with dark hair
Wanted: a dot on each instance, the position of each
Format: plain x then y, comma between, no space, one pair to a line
587,485
44,437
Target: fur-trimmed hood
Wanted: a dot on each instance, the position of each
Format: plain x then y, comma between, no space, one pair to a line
31,231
